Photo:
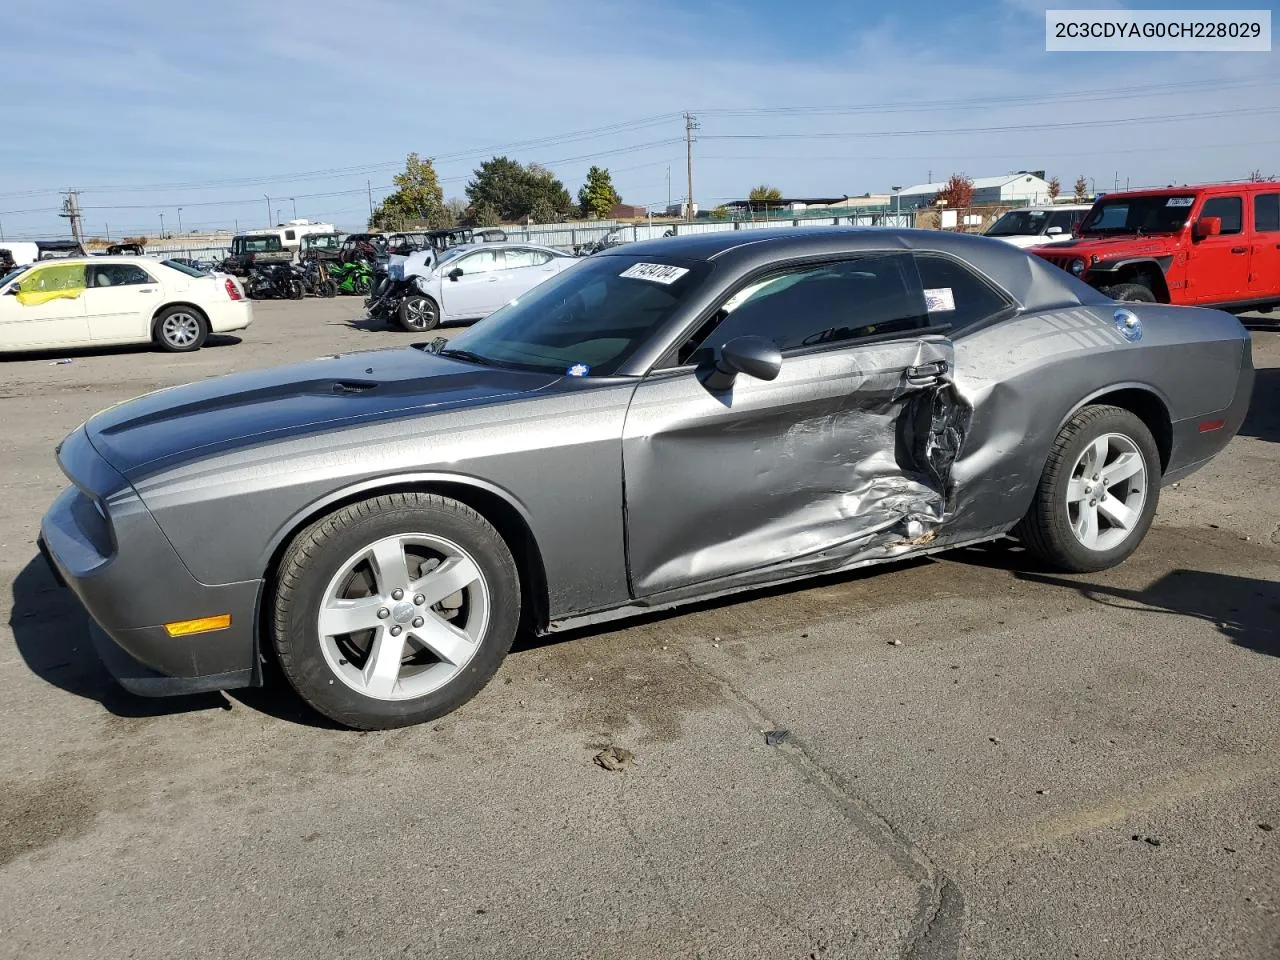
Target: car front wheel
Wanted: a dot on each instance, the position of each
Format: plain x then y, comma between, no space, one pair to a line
395,610
418,314
1098,493
1131,293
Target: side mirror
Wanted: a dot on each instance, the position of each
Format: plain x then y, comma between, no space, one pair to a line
1053,231
455,273
14,290
753,356
1206,227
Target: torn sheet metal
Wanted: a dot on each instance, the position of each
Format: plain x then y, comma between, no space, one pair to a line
830,461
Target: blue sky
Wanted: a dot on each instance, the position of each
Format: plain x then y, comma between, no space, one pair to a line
149,106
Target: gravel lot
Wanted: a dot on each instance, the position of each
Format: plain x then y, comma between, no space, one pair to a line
983,760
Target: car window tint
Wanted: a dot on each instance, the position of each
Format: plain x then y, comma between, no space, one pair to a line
955,294
826,303
1064,220
1227,209
117,275
482,261
1266,212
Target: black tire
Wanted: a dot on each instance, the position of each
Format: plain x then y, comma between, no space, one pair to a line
1046,529
360,286
319,551
418,314
180,329
1132,293
296,290
328,289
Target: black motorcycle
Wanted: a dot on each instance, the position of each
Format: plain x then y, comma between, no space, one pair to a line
400,300
277,281
316,280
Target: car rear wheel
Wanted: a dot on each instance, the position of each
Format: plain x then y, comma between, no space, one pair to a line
1098,493
395,610
180,329
418,314
1131,292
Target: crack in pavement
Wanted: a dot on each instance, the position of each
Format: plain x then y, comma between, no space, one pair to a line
939,919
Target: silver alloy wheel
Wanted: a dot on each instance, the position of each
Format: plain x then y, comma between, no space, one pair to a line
419,312
180,329
403,616
1106,492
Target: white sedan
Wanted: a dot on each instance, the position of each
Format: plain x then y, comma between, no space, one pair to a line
101,301
470,282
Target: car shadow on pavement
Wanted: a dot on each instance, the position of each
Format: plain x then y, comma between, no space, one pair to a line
1263,419
51,630
1244,610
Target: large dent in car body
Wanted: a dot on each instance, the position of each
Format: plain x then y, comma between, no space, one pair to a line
840,461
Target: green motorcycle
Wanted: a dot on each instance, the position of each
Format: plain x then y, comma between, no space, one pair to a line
354,277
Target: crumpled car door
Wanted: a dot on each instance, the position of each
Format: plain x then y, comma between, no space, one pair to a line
846,453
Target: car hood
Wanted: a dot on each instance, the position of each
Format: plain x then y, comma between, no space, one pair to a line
1107,248
186,422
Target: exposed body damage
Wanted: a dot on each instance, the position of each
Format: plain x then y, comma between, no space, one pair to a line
640,483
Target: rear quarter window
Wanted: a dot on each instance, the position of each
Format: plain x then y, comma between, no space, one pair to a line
956,295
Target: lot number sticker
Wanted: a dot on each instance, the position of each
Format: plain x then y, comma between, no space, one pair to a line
1180,201
939,300
654,272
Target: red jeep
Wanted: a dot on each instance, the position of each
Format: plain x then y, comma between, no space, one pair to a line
1216,245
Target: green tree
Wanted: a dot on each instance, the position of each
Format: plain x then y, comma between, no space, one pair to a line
765,193
417,197
484,214
598,196
515,192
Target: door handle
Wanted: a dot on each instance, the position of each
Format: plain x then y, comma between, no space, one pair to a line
147,290
493,279
926,373
1239,249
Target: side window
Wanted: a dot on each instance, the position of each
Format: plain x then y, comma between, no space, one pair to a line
1266,212
51,282
1229,210
290,235
482,261
118,275
1064,220
519,257
540,257
956,295
814,305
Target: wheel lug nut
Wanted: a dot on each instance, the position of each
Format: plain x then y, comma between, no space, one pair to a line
419,599
418,621
383,613
395,631
397,594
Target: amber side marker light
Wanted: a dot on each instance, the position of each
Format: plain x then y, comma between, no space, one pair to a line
1209,426
184,628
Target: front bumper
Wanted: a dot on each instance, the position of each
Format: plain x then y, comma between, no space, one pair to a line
110,552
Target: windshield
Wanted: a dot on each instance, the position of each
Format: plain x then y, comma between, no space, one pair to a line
588,319
256,244
13,275
1163,214
321,242
1020,223
181,267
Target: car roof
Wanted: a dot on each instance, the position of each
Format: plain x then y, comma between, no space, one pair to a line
1034,283
1246,186
97,260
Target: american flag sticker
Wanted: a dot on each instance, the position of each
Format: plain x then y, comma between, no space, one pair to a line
939,300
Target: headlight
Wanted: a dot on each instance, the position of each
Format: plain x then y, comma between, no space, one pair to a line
423,284
1077,266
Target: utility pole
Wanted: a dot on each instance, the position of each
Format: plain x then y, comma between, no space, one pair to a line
1,230
268,199
162,225
295,207
668,189
179,221
690,125
368,185
71,210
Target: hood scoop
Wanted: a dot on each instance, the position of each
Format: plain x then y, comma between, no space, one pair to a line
345,387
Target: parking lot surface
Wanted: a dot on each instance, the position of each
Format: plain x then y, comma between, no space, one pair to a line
981,759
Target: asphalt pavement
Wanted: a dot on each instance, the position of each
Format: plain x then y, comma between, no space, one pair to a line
966,756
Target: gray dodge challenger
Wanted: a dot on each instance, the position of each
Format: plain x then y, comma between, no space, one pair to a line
662,423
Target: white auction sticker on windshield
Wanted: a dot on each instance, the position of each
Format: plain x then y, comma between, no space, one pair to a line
939,300
654,272
1180,201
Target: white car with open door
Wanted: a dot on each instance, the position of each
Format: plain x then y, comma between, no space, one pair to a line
471,282
108,301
